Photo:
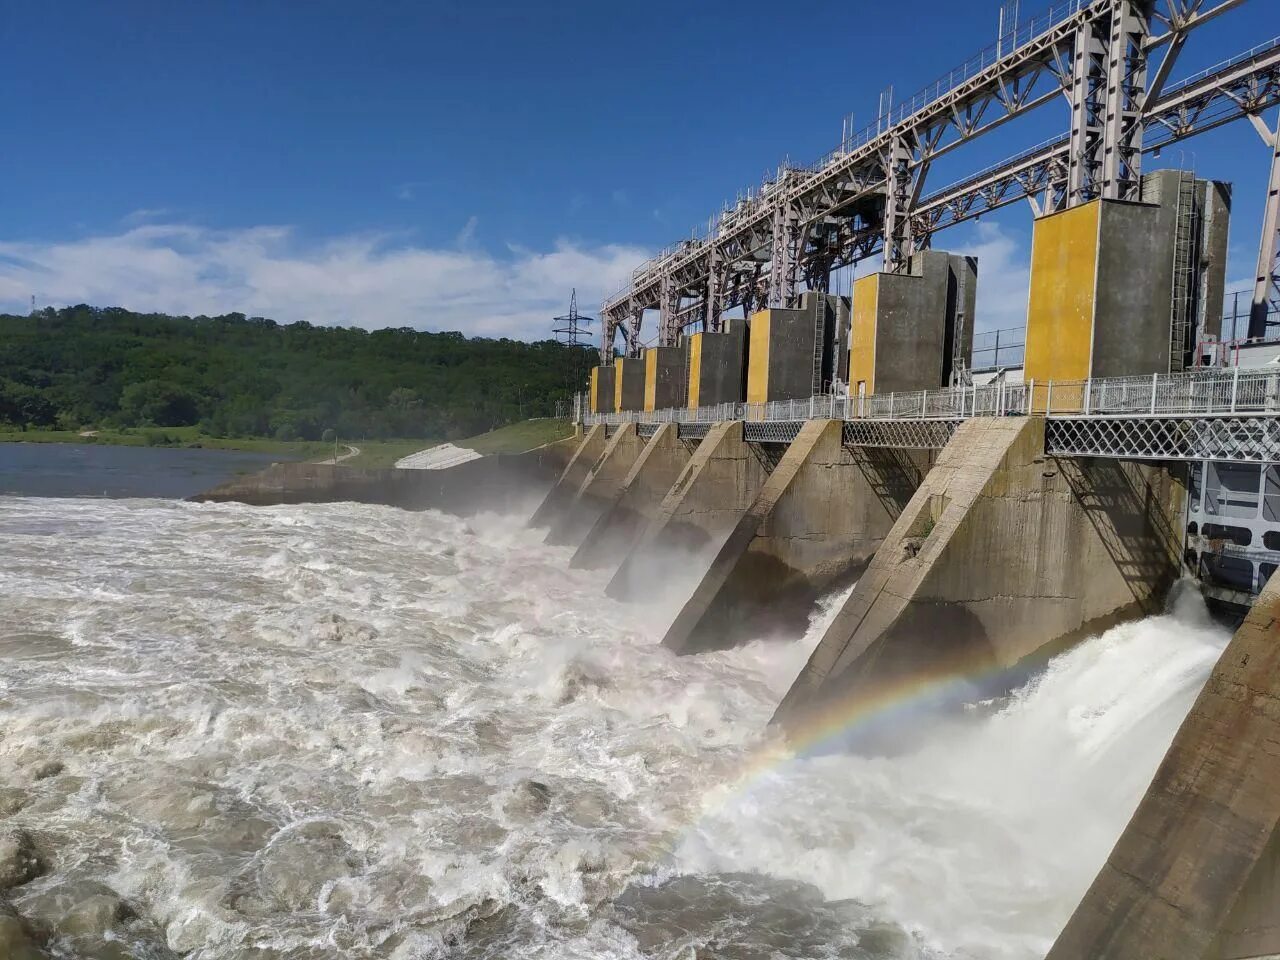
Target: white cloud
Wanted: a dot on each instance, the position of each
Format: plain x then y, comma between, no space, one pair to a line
1004,274
367,281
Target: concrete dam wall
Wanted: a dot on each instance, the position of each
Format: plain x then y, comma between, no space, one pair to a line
1196,874
977,556
503,482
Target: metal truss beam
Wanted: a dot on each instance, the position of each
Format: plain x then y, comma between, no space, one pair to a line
1197,106
866,195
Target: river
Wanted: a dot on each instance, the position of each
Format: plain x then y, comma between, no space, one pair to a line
102,470
346,731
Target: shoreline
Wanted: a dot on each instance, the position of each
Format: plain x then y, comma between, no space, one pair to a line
372,453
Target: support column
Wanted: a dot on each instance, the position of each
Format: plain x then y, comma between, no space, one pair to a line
1108,85
714,303
786,250
899,192
668,308
1266,290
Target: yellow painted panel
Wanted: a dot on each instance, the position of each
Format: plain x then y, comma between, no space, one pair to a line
862,338
1060,310
758,365
695,369
618,367
595,389
650,379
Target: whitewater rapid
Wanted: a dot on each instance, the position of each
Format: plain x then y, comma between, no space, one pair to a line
343,731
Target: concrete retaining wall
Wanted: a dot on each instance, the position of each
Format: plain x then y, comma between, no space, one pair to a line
718,483
1000,552
817,521
636,500
501,483
598,489
1195,874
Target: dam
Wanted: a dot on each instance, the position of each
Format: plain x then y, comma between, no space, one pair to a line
780,442
780,456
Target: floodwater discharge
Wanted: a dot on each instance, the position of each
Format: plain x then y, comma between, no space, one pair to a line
341,731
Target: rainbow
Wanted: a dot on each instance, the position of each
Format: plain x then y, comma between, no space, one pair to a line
833,725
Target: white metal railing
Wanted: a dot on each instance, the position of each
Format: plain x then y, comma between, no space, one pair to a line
1196,392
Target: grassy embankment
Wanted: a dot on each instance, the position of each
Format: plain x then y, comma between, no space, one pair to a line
518,437
374,454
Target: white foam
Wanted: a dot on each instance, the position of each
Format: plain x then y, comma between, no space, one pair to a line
216,675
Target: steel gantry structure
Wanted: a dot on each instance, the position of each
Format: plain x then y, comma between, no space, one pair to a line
1110,59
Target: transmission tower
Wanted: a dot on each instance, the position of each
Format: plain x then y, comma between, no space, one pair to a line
574,331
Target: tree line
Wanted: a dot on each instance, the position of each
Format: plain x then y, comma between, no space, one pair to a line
237,376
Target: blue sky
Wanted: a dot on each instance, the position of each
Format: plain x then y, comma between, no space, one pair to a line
460,166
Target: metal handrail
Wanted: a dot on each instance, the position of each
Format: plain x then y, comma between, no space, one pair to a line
1195,392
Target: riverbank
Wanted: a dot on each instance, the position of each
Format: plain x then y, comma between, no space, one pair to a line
373,454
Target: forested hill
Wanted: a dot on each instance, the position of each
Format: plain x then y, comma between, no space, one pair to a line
240,377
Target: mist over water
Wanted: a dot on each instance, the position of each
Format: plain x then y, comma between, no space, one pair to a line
348,731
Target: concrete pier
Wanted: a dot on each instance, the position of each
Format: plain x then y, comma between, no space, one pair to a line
602,389
1196,874
664,378
628,383
575,471
719,482
717,366
817,522
636,500
1101,276
1000,553
905,325
792,353
598,488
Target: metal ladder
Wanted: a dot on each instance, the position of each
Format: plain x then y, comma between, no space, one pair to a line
960,375
687,343
819,338
1183,266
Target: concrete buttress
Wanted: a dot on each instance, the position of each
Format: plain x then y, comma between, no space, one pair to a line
718,483
598,488
575,471
816,522
636,500
1000,553
1196,873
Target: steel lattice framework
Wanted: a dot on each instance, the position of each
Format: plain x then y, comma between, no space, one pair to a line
899,434
1110,59
771,431
1243,439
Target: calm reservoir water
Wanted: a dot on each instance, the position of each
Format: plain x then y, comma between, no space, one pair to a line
346,731
90,470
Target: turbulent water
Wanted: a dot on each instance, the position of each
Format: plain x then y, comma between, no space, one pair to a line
347,731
